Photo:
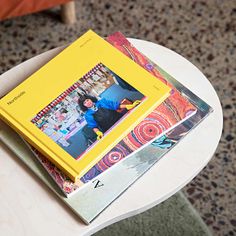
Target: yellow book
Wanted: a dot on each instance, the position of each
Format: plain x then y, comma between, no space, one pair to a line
82,103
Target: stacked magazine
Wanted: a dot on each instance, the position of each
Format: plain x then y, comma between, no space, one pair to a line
98,105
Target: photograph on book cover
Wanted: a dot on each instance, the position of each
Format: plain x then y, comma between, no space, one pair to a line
79,117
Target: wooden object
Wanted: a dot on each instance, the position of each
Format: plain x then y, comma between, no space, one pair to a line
28,207
68,14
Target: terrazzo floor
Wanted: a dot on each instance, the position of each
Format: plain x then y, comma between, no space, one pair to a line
204,32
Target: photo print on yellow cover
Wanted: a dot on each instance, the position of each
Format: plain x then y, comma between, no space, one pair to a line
84,113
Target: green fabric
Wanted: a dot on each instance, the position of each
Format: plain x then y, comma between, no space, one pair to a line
174,217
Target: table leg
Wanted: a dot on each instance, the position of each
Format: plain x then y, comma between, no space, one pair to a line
68,14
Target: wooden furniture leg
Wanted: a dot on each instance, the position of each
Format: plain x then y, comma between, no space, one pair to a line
68,14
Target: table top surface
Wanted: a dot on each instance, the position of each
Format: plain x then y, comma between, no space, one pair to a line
31,208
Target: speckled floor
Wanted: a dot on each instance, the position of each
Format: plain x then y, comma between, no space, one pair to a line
202,31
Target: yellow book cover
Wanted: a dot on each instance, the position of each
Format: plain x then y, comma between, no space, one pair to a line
82,103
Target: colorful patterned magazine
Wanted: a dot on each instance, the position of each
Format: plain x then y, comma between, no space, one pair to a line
166,116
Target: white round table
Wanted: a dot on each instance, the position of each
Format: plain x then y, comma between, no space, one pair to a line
30,208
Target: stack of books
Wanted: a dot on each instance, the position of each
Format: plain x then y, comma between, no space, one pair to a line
98,110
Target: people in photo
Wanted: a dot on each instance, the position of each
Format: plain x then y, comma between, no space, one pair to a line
101,114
